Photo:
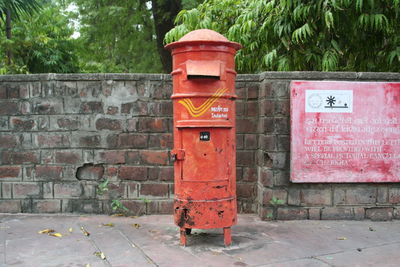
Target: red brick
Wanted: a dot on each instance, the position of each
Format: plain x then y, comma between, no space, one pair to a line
314,213
8,141
166,174
67,190
282,108
10,172
267,108
111,171
19,124
67,124
337,213
250,174
292,214
108,124
156,190
52,141
239,108
9,108
245,190
132,141
153,173
90,172
250,141
153,125
68,157
252,92
137,173
46,106
282,125
135,207
48,172
154,157
161,141
361,195
24,190
394,195
252,109
246,125
316,197
9,157
266,177
245,158
3,93
90,141
112,110
92,107
11,206
379,214
47,206
133,157
112,157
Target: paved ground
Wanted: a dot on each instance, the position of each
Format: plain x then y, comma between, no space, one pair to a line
154,241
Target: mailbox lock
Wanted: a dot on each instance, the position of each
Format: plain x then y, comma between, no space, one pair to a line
177,154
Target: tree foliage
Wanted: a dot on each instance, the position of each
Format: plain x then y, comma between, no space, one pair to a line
283,35
116,36
41,43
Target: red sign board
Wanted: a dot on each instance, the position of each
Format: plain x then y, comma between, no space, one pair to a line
345,132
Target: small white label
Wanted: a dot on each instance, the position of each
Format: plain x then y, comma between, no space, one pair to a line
329,101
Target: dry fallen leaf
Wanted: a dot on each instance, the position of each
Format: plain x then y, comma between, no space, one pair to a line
86,233
70,230
100,255
342,238
55,234
108,224
136,225
46,231
118,215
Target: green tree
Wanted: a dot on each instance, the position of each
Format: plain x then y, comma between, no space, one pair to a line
12,10
116,36
42,43
283,35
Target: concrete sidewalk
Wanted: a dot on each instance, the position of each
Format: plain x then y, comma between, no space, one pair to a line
154,241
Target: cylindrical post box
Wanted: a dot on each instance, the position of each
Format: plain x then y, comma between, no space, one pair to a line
204,132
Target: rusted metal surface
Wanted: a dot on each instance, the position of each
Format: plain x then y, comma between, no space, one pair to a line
204,132
345,132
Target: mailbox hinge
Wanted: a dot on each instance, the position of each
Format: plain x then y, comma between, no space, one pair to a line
178,154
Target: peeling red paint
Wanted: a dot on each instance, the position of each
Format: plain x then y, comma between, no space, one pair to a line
204,132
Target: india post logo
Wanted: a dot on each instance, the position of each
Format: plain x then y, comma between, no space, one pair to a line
200,110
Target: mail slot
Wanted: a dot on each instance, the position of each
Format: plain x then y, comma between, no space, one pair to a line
204,132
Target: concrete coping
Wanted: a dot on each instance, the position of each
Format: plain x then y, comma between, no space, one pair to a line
271,75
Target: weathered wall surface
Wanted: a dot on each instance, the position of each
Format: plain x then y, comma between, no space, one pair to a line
281,199
61,135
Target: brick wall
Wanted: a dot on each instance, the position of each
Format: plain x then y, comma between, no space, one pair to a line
277,196
62,135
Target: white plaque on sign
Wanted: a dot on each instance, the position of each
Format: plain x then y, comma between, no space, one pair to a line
329,101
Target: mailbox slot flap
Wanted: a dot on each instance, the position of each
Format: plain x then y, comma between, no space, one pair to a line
203,69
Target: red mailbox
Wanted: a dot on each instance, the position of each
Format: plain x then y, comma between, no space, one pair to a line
204,132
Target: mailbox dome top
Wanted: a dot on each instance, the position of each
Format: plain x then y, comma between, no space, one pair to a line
203,36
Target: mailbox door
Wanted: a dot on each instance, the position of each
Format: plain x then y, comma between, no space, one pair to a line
206,154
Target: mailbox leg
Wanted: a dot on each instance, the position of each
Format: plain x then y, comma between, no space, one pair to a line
227,236
183,237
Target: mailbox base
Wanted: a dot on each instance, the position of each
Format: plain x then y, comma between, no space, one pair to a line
185,231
